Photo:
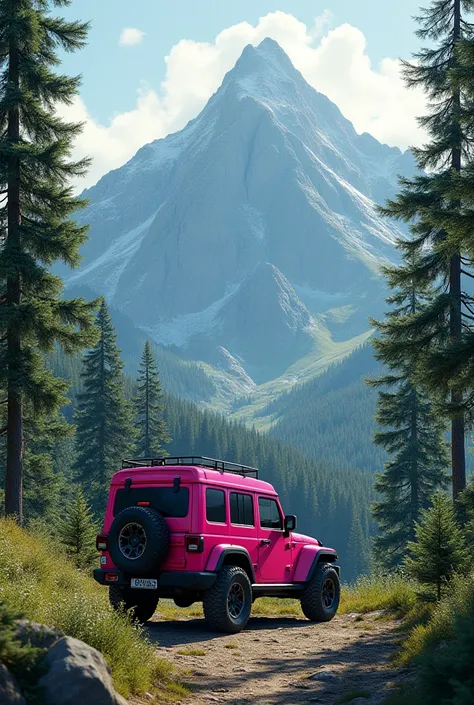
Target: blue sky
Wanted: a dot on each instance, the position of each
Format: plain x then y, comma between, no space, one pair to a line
112,72
131,96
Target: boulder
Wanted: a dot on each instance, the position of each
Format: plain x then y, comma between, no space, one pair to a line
78,674
37,635
10,693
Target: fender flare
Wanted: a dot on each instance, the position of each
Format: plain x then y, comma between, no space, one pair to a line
309,559
219,554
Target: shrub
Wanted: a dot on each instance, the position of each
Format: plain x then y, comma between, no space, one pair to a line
46,587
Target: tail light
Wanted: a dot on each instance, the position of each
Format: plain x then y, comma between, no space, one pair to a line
111,577
195,544
101,542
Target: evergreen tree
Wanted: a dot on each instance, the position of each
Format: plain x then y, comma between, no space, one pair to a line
104,417
439,551
432,255
412,433
77,531
35,218
152,430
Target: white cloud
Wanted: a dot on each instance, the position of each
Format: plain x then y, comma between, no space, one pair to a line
334,61
130,36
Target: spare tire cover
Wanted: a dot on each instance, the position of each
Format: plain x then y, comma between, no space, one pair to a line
138,540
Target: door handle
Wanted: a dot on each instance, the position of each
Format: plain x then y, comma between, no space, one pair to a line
265,542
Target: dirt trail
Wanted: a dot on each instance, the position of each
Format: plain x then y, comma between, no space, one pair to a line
281,661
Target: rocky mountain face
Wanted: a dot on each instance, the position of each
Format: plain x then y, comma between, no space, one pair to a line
251,236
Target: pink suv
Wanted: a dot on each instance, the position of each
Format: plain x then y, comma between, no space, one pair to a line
198,529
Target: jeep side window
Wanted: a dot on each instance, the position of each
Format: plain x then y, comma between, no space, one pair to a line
241,509
270,517
215,506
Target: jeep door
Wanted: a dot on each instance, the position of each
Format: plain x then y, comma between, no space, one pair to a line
274,551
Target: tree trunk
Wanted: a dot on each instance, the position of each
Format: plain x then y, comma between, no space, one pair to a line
14,469
457,425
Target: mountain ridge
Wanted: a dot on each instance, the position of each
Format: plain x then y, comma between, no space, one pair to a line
269,172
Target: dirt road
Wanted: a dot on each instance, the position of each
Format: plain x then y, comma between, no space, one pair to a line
281,661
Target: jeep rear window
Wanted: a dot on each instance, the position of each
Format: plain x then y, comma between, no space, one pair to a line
215,506
164,499
270,517
241,509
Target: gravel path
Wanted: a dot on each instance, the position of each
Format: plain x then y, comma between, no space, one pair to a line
281,661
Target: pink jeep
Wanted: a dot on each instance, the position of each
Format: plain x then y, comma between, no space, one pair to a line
193,529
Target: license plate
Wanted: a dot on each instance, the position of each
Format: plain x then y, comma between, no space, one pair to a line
144,583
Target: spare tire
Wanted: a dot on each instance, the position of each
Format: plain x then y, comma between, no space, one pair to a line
138,540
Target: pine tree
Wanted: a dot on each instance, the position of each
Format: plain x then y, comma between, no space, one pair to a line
432,255
104,418
77,531
411,432
36,228
439,551
152,430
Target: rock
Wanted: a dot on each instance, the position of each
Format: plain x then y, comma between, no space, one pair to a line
10,693
325,676
78,674
36,634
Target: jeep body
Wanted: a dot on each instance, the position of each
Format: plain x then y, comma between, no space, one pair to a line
211,519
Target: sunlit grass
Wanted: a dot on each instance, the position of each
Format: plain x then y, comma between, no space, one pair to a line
37,580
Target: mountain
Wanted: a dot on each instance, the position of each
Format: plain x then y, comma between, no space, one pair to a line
249,240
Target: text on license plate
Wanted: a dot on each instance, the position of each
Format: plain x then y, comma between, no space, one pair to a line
144,583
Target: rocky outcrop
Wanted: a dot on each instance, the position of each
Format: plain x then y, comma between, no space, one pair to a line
10,693
77,674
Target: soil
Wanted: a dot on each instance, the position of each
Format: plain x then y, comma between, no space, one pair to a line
281,660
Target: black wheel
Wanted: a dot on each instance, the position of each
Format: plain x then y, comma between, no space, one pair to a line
227,604
320,598
138,540
142,603
184,601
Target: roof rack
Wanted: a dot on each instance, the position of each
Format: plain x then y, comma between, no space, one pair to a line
221,465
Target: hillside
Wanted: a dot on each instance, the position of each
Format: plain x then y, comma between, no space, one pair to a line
249,241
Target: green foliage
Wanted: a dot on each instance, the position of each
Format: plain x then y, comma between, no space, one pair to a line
22,661
435,335
47,588
393,593
439,552
152,431
105,432
412,433
77,531
36,212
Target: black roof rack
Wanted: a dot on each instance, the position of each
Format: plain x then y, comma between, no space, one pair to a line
221,465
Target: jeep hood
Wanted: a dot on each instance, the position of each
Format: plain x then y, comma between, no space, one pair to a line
301,538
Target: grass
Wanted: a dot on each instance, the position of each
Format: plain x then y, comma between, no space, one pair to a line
394,595
37,580
231,646
352,695
192,652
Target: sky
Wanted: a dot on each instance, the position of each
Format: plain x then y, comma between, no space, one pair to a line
150,66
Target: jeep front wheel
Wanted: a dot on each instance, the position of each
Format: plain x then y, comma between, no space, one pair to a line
320,598
141,603
228,603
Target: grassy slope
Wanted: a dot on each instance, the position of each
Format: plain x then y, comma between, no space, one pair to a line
37,580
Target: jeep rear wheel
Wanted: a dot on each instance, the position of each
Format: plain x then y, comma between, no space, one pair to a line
142,603
227,604
138,540
320,598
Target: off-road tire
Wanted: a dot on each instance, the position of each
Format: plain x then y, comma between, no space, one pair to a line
157,540
141,603
320,598
216,601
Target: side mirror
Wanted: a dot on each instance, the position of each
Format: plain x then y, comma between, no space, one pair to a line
290,524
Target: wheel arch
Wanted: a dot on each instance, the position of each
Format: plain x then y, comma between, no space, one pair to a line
309,560
231,555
